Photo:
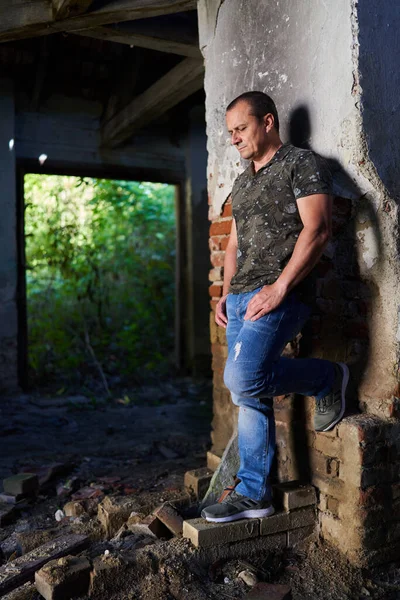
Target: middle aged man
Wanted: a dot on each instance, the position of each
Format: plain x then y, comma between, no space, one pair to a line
282,223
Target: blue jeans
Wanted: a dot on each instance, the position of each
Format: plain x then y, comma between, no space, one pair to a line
255,372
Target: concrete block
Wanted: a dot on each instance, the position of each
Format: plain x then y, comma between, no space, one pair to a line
302,517
197,481
292,495
65,578
295,536
274,523
170,518
25,484
269,591
202,533
114,512
213,461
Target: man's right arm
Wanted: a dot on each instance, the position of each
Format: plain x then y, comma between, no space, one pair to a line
229,271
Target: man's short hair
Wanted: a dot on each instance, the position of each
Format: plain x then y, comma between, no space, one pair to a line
260,105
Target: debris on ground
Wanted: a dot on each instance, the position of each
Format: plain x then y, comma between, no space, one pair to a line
114,474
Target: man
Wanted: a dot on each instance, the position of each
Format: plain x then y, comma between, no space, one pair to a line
281,225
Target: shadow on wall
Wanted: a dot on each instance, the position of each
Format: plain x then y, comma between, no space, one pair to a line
339,328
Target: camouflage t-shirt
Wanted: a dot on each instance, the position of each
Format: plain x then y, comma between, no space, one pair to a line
267,218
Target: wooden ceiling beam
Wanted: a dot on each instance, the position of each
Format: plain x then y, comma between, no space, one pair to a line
113,34
182,81
21,19
62,9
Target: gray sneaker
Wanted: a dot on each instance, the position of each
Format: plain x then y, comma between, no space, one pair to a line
330,409
233,506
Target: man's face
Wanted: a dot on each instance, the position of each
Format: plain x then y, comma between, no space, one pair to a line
248,134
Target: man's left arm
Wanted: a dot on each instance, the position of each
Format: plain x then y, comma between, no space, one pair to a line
316,215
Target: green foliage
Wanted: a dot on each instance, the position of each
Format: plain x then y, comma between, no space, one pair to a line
100,276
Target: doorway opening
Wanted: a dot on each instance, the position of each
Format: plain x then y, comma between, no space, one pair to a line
100,262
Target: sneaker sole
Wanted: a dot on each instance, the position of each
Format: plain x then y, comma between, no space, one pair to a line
345,382
245,514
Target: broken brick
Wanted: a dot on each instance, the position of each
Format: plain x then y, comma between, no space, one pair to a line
197,481
113,512
64,578
158,528
291,495
17,572
24,484
74,509
170,518
269,591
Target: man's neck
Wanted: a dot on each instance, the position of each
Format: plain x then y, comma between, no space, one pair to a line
267,156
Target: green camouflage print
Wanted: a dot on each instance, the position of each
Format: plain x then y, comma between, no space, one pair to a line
266,214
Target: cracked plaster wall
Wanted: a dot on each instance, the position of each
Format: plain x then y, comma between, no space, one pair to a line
329,59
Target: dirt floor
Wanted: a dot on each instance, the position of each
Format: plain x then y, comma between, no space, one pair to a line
139,446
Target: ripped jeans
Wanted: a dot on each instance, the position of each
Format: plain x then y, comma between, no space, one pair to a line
255,372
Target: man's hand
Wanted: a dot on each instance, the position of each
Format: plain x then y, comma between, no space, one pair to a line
220,313
266,300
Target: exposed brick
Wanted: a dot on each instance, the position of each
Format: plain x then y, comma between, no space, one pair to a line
213,305
215,274
220,227
202,533
293,495
324,465
213,461
275,523
67,577
328,444
213,329
332,504
227,212
24,484
215,291
224,242
197,481
217,259
269,591
214,243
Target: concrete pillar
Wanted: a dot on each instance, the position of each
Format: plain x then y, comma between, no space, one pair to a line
8,242
335,84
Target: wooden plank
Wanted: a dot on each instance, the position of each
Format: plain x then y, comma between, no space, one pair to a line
62,9
20,19
179,83
112,34
19,571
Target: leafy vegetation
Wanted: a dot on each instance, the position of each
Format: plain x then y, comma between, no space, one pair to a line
100,278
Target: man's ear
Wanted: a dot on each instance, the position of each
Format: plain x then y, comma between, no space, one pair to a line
269,122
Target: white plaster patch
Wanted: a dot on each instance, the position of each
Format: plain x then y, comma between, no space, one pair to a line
369,244
238,347
283,78
261,75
